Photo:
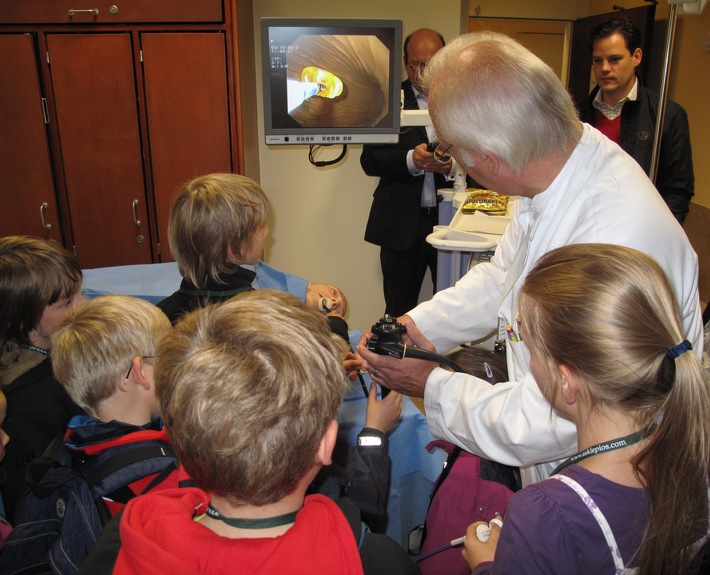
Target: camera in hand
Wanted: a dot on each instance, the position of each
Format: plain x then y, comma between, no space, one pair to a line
386,339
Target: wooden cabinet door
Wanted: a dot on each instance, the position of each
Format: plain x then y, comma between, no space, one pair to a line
186,89
94,90
27,191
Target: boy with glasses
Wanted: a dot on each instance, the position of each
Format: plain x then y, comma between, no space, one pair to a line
103,356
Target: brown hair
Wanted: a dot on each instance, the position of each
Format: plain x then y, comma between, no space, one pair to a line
609,314
34,274
210,215
247,390
480,362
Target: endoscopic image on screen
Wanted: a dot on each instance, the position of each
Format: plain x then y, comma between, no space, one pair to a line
337,81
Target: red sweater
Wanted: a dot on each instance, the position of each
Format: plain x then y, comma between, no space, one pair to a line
159,535
610,128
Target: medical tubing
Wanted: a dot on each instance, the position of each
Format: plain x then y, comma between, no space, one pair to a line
400,350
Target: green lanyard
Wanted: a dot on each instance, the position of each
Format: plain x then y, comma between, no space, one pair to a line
265,523
607,446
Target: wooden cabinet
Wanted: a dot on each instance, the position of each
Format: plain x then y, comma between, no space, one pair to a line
102,122
29,204
109,11
97,121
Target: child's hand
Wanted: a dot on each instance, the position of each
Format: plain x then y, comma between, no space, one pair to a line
383,414
353,364
476,551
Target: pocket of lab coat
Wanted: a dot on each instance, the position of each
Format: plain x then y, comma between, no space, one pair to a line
520,353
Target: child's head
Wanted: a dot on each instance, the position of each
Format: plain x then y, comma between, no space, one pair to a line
4,437
483,363
326,299
36,276
216,222
607,313
94,350
247,390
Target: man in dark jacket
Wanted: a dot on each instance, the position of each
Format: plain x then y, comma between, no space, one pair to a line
404,209
626,112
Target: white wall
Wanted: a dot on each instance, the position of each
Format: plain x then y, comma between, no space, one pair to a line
318,215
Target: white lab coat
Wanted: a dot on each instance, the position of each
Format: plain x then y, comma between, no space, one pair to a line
601,195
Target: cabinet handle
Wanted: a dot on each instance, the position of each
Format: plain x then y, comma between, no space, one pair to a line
135,217
42,208
94,11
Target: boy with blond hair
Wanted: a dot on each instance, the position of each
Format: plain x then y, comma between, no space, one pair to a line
217,224
217,230
249,391
103,356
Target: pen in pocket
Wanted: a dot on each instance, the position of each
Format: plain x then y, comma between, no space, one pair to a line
511,333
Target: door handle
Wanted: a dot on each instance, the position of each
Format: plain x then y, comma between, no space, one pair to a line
135,216
94,11
42,208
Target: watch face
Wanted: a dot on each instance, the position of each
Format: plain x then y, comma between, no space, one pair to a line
369,440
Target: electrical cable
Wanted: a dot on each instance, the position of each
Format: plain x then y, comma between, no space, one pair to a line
313,149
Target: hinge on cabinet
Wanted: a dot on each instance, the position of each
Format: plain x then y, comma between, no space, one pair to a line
45,110
159,252
74,247
140,52
47,56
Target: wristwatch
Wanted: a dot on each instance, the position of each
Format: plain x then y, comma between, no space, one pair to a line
369,437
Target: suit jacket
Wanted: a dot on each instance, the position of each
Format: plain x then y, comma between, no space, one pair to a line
396,204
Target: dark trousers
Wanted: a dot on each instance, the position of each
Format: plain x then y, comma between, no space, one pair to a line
403,272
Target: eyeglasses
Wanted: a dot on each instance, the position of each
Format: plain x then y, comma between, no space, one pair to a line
417,66
442,157
128,373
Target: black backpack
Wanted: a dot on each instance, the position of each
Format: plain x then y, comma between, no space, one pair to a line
60,518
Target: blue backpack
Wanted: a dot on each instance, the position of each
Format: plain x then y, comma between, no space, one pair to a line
58,521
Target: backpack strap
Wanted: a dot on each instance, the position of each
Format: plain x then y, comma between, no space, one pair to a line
162,476
600,519
352,514
125,458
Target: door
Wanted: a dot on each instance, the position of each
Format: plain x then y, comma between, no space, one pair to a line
544,38
26,180
187,101
93,83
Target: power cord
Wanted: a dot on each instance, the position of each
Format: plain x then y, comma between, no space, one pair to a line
313,149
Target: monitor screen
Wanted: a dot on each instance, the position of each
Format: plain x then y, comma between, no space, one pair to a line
331,81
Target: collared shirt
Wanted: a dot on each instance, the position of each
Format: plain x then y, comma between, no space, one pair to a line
613,111
429,185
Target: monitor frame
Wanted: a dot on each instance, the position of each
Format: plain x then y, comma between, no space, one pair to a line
277,29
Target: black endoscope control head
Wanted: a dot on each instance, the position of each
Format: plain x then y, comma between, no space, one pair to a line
386,337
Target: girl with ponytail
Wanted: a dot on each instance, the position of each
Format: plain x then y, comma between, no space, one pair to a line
608,352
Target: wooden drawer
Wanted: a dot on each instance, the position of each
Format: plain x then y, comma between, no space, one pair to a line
84,12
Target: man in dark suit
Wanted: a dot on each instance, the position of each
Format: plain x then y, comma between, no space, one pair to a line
404,209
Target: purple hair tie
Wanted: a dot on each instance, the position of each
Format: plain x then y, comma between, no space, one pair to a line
679,349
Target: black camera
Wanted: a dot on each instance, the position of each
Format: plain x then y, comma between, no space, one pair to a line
386,337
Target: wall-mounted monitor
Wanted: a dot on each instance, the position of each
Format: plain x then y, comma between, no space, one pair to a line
331,81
